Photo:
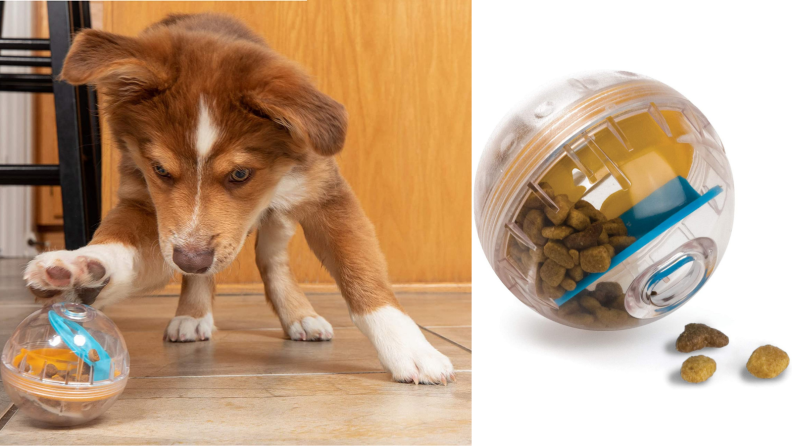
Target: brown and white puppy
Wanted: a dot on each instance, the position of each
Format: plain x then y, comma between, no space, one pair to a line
220,136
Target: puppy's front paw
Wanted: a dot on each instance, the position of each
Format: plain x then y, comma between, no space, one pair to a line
421,364
402,348
309,328
189,329
66,274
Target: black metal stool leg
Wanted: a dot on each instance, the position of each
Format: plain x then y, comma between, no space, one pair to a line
79,150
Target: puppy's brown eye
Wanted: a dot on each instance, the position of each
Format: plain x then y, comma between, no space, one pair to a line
159,170
240,175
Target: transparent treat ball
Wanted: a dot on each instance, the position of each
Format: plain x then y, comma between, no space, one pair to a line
605,201
65,364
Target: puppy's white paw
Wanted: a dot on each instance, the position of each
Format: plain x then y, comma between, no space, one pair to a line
314,328
67,274
402,348
190,329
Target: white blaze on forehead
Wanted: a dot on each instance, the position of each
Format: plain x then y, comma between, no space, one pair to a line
206,132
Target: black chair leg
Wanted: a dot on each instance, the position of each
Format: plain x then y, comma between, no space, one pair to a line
79,146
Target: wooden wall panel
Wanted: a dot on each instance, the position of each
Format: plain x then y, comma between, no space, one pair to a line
402,68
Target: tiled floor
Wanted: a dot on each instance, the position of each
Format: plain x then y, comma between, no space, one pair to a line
249,384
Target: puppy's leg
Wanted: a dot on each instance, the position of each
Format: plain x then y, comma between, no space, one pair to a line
193,321
344,240
297,316
122,259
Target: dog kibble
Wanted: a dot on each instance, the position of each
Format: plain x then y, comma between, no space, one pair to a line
595,260
557,232
615,227
93,355
552,273
698,369
572,241
559,216
568,284
620,242
577,220
534,202
553,292
584,239
50,370
576,273
603,237
558,252
698,336
532,226
575,254
767,362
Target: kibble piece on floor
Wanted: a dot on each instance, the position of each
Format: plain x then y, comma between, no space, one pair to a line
532,226
595,260
620,242
698,369
585,238
558,252
559,216
577,220
552,273
615,227
767,362
697,336
557,232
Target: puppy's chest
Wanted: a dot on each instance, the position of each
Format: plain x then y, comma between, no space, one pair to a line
292,191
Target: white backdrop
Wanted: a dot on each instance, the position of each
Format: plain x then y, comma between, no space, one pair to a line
542,383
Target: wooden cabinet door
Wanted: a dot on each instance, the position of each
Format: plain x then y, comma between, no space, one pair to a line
402,69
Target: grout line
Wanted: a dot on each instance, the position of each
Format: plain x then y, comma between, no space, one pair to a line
269,374
7,416
449,340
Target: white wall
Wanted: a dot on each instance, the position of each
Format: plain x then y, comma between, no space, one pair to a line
16,143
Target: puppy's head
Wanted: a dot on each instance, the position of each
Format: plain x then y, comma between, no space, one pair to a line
214,124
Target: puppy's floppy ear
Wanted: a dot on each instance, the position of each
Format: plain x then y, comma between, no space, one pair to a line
118,64
312,117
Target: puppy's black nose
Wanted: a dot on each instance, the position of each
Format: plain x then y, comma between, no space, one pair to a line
192,261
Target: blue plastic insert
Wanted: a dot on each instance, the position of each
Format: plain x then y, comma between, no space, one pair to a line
81,346
652,216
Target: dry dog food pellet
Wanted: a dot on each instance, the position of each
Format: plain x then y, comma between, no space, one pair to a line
568,284
552,273
697,369
575,254
559,216
534,202
557,232
558,252
601,308
553,292
93,355
595,260
611,250
576,273
697,336
603,237
767,362
584,239
615,227
577,220
50,370
532,226
593,214
619,242
607,292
